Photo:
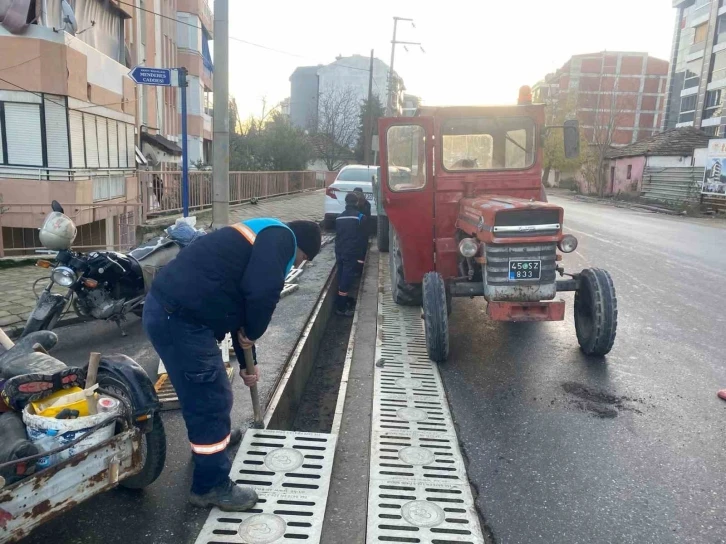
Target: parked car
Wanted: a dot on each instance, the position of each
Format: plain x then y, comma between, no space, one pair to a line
348,179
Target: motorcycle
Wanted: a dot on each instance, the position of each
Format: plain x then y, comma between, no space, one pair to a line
104,285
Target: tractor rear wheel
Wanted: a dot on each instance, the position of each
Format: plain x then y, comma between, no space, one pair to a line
382,234
405,294
436,320
596,312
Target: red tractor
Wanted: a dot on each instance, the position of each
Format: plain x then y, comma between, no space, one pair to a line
466,215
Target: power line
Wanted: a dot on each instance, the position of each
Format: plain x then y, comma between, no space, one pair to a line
19,64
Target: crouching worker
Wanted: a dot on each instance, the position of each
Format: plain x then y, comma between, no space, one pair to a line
349,227
227,281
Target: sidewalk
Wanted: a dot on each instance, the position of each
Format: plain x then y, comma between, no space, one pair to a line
16,293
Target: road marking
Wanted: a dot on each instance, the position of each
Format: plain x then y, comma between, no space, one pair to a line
291,473
418,490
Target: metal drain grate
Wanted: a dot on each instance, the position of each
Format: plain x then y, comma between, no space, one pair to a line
291,474
167,394
419,491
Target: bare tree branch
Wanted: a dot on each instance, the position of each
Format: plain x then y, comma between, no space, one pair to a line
336,126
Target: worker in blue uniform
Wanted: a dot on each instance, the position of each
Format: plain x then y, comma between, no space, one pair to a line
227,281
365,208
349,228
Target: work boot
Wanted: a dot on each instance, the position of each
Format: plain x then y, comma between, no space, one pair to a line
227,496
347,312
235,437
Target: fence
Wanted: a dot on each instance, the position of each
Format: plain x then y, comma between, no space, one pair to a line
161,191
103,226
676,184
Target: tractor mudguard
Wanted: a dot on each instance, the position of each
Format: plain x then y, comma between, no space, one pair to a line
130,375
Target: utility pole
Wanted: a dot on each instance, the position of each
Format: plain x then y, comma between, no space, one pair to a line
390,102
220,143
368,129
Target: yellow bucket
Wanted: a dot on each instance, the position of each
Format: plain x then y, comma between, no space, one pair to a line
73,399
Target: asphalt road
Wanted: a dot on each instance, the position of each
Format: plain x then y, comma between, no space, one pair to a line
629,448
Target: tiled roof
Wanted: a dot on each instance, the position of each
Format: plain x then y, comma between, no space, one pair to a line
674,142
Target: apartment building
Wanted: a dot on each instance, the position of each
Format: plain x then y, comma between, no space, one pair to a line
67,121
697,77
174,33
614,93
74,126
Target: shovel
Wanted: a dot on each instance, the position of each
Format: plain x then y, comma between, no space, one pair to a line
250,368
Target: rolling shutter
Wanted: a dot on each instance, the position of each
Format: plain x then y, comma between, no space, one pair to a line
23,133
56,132
112,144
78,142
122,155
2,156
130,146
101,127
89,129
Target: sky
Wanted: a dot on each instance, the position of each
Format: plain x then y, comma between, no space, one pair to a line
476,51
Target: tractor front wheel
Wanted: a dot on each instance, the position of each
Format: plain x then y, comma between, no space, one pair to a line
596,312
436,320
405,294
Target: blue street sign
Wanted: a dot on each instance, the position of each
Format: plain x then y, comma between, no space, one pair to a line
151,76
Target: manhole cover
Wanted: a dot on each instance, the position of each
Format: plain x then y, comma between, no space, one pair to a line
416,456
262,529
411,414
408,383
422,513
283,460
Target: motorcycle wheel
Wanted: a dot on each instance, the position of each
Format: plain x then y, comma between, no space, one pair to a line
153,444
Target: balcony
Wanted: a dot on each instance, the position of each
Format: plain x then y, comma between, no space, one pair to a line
201,9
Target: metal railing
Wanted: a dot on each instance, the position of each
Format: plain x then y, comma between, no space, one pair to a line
63,174
101,226
161,191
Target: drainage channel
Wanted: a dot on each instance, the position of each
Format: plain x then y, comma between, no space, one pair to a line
290,462
418,490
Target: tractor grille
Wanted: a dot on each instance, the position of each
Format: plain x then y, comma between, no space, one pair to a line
498,257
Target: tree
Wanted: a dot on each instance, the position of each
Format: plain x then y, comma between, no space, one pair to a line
336,128
608,114
271,144
378,110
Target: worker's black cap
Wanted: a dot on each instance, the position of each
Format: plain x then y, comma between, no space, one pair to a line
308,237
357,190
350,198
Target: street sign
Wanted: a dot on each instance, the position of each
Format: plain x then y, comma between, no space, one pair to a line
151,76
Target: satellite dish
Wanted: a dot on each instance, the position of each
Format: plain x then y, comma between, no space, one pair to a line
69,18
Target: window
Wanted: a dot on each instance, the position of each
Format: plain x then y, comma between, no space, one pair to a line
693,73
56,130
721,29
630,172
356,174
23,137
701,32
406,148
712,107
612,174
688,103
718,71
488,143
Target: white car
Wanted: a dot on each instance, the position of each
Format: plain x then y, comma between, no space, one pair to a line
349,178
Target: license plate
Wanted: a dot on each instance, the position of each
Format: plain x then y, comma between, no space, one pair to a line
369,196
524,270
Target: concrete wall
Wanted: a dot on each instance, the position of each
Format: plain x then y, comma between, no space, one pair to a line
620,183
670,161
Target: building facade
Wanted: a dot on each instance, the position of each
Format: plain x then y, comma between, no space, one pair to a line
616,96
309,83
73,125
697,78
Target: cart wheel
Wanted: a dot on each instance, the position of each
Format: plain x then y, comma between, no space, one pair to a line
382,234
153,444
436,320
596,312
405,294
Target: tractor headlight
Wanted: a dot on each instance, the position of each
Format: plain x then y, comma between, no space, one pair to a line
63,276
568,244
468,247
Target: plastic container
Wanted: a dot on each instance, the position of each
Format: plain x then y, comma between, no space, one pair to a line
47,442
107,404
67,430
51,406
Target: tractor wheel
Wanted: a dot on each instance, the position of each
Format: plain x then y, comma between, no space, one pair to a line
405,294
596,312
436,320
382,234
